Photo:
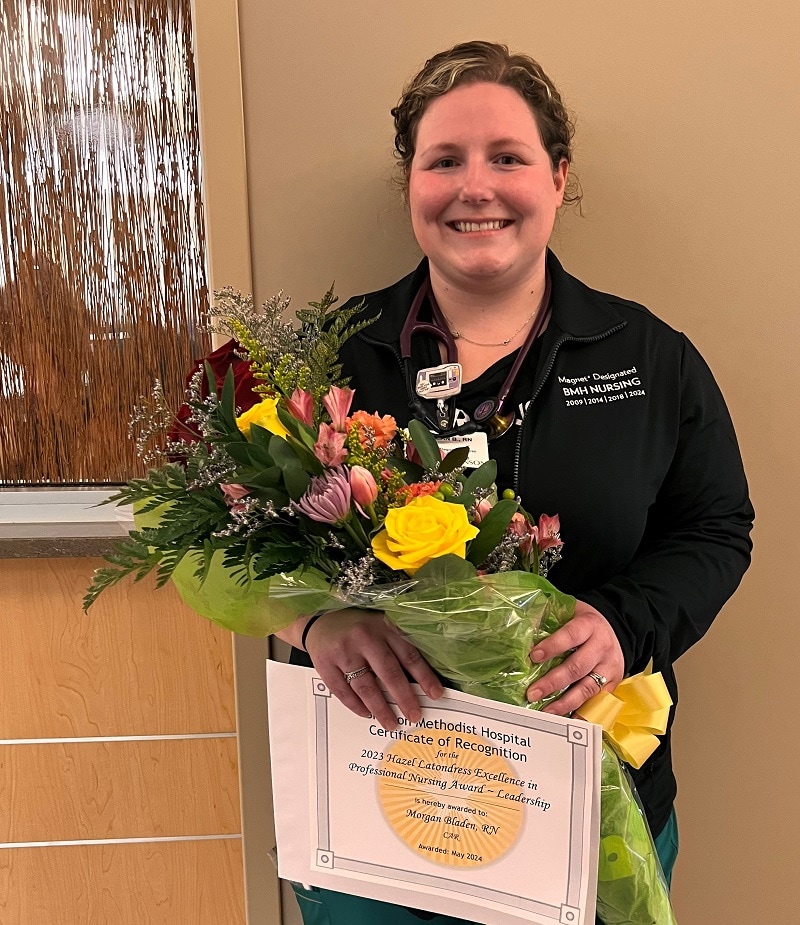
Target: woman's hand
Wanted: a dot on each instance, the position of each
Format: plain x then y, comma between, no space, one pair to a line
346,640
593,647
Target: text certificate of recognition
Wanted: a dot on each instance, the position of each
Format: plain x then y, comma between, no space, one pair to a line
481,810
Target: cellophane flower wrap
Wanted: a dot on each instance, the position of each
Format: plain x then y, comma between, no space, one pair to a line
273,499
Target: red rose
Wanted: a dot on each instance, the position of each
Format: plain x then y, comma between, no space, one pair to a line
221,360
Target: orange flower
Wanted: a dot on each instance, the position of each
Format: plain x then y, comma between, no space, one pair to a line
373,430
407,493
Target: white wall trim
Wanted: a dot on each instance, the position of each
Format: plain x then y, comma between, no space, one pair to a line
44,505
115,841
63,740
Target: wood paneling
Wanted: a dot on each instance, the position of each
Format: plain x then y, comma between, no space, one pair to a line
140,663
168,883
88,790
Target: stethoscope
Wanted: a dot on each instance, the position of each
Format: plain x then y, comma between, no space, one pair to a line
491,415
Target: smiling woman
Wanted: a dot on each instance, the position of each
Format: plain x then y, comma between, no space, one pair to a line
483,142
483,195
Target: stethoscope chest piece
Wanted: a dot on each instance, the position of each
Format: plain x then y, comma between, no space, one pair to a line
485,410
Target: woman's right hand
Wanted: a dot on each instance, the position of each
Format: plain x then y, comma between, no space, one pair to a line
343,641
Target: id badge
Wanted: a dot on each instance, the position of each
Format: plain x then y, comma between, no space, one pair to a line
478,444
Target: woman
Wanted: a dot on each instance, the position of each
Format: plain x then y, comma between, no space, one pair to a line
612,420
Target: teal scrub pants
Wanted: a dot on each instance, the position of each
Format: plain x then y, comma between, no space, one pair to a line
326,907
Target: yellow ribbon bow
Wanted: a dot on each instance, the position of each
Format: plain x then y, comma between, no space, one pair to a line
632,716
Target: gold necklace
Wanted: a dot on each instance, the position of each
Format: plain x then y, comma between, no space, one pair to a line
457,335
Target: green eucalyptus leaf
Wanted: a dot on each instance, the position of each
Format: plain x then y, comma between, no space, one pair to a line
227,403
260,436
483,477
282,452
425,444
276,495
248,454
491,528
295,477
211,379
411,470
454,459
259,478
307,457
445,569
300,431
228,396
296,481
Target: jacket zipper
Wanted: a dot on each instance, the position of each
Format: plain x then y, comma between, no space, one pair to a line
565,338
394,350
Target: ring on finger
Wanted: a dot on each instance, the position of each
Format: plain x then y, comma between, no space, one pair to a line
599,679
350,676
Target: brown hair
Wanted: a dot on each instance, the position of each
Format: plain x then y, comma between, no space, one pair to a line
479,62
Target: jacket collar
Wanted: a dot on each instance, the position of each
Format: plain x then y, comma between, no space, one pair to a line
578,311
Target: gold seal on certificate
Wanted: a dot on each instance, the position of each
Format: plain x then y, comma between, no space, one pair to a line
452,805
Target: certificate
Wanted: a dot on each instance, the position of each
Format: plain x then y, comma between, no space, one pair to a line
481,810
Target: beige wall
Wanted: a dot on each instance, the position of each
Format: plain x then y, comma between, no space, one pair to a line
219,91
687,137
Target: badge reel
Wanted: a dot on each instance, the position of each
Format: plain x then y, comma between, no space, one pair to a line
435,382
440,382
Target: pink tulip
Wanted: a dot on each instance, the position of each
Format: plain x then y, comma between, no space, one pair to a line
549,528
301,406
327,499
363,486
482,508
337,403
329,448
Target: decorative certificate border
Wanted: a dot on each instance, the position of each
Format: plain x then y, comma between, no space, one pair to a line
576,734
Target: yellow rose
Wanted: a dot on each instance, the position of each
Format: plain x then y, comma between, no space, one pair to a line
424,529
265,414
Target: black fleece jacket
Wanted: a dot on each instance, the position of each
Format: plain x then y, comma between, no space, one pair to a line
626,437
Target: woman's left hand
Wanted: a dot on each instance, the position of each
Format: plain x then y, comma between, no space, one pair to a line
593,648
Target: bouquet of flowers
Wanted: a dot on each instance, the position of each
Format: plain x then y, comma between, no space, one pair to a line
295,504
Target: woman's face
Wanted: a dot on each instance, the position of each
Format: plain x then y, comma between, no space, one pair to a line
482,191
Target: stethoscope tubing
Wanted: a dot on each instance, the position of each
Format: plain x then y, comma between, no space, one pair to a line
440,330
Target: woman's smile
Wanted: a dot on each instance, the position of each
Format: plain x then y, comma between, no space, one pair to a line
471,227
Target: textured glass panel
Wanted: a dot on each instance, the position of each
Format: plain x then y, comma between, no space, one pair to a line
102,256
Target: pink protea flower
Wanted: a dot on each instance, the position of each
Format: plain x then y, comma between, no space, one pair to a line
329,448
327,499
549,528
337,403
363,486
301,406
